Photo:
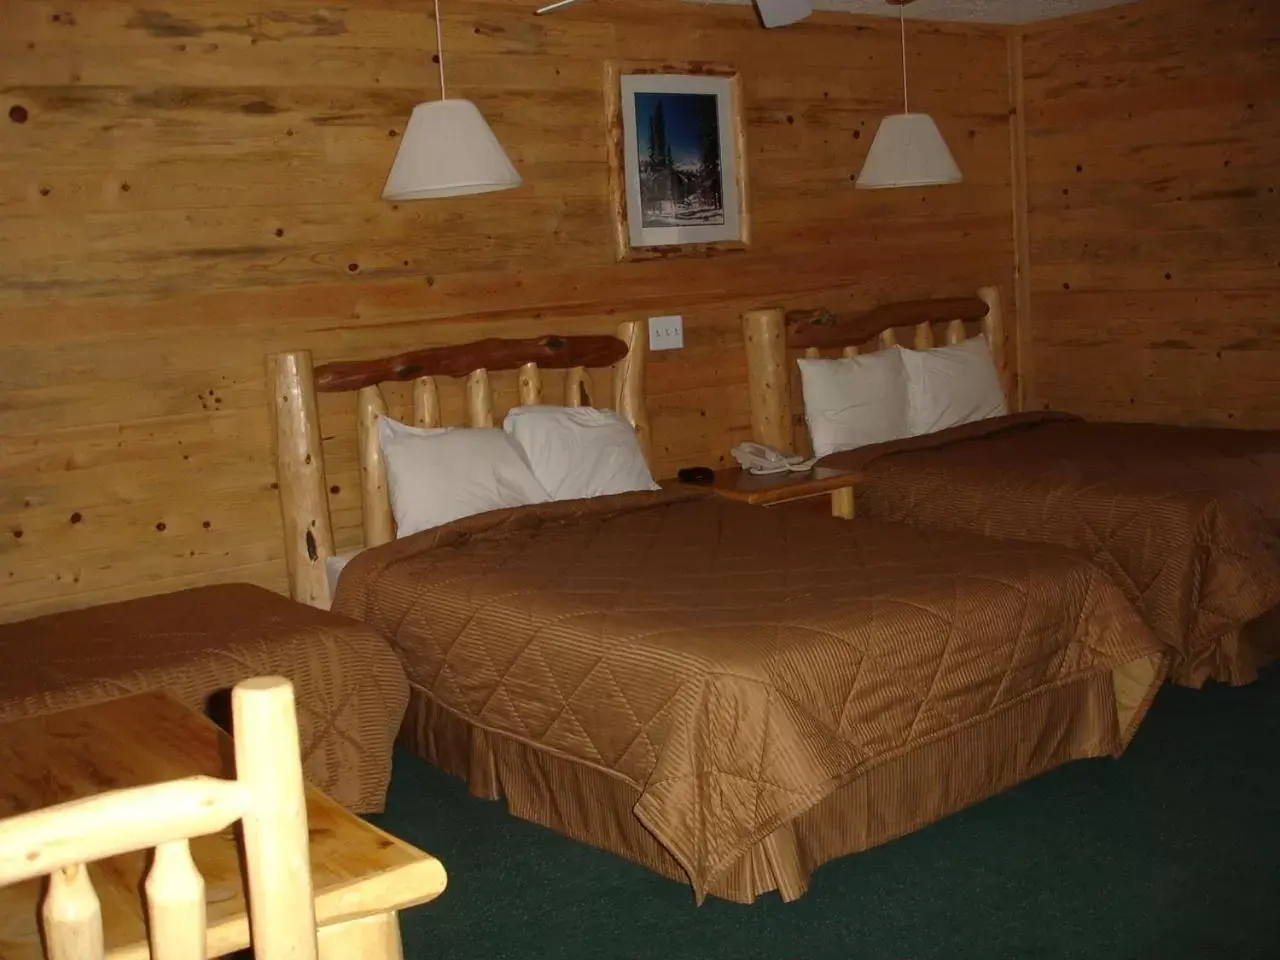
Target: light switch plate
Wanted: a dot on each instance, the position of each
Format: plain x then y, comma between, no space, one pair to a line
666,333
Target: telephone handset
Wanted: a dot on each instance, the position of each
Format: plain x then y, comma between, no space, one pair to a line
758,459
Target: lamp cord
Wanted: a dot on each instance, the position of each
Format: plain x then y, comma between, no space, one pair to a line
440,48
902,25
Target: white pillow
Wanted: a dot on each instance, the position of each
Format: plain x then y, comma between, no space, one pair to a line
579,452
856,400
952,385
443,474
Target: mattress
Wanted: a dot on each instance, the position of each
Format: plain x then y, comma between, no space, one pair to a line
1185,520
197,644
735,667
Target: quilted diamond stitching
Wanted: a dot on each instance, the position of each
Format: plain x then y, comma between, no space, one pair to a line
710,600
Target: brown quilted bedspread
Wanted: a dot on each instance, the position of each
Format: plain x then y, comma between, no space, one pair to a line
1186,520
350,689
735,665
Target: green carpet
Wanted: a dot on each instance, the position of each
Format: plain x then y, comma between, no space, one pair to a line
1172,851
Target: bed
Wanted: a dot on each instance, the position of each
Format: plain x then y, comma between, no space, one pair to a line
196,645
727,695
1185,519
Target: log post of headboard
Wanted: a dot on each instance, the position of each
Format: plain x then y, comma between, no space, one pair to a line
379,528
577,387
628,383
530,385
993,327
768,377
304,502
426,402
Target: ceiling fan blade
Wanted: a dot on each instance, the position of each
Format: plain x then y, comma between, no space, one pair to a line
780,13
773,13
553,6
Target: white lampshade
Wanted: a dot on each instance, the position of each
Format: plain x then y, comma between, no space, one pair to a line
782,13
908,151
448,151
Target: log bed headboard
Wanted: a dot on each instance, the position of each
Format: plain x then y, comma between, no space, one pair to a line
300,472
771,335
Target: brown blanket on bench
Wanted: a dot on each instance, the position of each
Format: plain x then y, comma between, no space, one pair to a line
350,688
1178,516
737,665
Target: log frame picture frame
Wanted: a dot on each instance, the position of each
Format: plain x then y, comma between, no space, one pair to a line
623,187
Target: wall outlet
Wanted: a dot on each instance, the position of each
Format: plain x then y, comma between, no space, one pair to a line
666,333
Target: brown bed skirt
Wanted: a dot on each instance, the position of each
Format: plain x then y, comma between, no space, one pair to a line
900,795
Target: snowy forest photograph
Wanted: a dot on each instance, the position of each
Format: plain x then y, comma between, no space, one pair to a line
677,175
678,142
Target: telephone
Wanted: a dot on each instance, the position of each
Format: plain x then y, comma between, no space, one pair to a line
758,459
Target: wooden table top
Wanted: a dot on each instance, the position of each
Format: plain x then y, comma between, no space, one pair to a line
357,870
761,490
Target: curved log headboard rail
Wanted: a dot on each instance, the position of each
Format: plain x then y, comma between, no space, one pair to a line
460,360
827,331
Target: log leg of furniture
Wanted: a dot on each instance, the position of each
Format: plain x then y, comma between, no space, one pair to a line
369,938
842,503
360,876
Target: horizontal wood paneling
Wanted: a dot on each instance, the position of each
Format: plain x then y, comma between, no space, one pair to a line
1153,159
196,184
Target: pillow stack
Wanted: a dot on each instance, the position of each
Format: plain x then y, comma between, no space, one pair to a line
541,454
895,393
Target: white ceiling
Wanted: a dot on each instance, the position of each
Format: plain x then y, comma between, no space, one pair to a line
986,11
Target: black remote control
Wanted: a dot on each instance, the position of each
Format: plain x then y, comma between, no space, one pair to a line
695,475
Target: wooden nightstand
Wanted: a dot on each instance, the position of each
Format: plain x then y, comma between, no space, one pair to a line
775,488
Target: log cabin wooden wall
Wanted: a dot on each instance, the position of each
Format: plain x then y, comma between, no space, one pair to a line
187,185
1153,160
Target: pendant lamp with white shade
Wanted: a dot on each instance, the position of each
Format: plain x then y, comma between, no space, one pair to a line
908,149
447,149
773,13
783,13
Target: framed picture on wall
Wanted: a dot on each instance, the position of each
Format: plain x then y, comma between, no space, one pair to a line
677,159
